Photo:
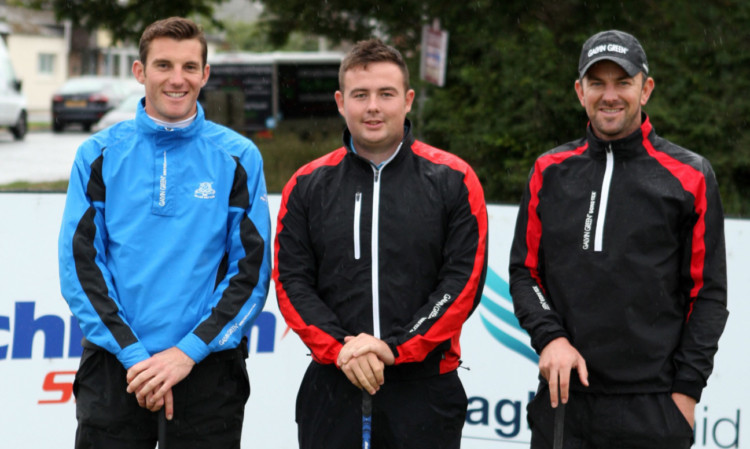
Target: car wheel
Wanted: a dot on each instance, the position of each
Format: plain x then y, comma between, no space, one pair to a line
57,126
19,130
87,127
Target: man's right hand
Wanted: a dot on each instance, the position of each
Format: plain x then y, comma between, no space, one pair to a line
556,361
363,359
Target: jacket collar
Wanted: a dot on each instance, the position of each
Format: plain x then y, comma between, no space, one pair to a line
144,122
628,145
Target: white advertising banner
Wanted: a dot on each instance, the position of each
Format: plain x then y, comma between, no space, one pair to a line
40,347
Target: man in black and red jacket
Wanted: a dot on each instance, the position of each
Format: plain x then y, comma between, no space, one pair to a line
618,267
381,252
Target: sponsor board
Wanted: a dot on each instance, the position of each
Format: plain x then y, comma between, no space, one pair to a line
40,350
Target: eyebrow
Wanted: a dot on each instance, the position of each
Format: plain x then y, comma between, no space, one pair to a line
168,61
379,89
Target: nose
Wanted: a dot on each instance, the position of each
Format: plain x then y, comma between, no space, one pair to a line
372,103
176,76
610,92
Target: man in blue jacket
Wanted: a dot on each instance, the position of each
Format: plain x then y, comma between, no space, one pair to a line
165,260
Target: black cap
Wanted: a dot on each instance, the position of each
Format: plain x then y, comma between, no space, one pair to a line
616,46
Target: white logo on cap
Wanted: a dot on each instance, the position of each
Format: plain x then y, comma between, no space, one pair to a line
609,47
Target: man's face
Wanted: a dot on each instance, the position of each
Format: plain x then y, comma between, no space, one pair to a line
173,75
374,104
613,99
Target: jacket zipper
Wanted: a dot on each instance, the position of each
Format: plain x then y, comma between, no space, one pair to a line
163,183
602,215
374,243
374,251
357,215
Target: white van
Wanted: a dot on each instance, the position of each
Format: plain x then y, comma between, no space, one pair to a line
12,102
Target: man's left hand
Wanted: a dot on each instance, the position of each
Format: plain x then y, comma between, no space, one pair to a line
361,345
152,379
686,404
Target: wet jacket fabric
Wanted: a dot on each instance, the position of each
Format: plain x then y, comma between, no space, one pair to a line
401,249
619,247
165,238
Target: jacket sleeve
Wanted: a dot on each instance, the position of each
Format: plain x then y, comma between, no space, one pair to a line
704,279
461,278
85,280
531,303
295,275
241,293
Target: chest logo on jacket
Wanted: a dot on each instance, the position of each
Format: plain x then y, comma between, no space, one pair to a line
589,221
205,191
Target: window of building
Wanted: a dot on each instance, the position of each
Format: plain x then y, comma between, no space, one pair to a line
46,63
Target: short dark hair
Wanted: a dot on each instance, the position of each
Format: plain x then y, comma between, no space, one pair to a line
177,28
371,51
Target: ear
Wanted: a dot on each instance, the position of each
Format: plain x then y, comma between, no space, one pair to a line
648,88
579,91
339,101
206,73
409,100
139,71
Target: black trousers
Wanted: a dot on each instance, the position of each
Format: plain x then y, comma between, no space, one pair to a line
424,413
607,421
209,405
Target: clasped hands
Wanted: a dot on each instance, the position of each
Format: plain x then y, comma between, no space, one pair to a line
152,379
363,359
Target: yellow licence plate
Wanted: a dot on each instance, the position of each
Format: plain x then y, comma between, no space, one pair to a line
75,103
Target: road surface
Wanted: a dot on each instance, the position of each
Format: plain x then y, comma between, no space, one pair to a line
41,156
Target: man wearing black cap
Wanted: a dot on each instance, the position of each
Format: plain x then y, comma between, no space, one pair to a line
618,268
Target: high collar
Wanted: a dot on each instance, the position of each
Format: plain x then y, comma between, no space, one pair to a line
144,122
406,143
627,146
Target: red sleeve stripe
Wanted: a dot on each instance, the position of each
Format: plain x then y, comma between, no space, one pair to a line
449,324
693,181
324,347
534,223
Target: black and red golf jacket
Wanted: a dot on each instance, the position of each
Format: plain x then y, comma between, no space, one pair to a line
402,247
619,247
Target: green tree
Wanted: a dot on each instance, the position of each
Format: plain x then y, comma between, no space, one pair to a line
255,37
125,19
511,66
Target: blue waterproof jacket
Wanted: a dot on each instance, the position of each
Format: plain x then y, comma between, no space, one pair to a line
165,238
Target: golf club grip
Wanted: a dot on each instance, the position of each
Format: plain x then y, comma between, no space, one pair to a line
366,419
559,425
162,429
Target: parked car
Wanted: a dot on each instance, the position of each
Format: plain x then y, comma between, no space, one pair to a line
124,111
12,101
84,100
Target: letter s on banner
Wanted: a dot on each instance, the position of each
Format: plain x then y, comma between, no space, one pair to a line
65,388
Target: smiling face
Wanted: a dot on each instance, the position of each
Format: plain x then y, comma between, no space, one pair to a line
173,75
613,99
374,103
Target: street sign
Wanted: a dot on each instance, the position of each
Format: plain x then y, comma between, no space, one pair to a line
434,54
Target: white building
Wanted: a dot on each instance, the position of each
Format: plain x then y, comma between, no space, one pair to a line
45,53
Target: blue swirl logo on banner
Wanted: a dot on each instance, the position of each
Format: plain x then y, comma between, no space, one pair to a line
498,318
